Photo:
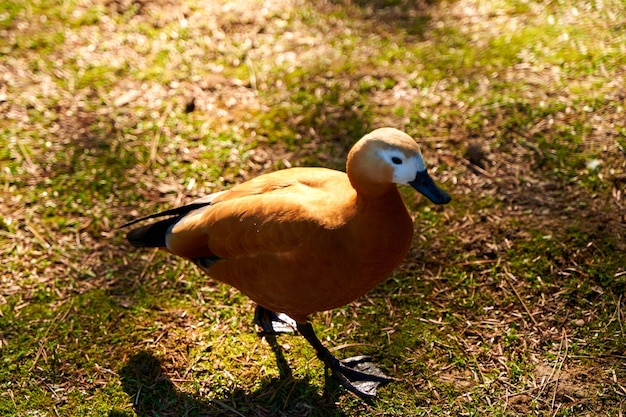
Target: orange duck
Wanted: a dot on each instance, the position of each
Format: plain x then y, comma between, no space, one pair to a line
303,240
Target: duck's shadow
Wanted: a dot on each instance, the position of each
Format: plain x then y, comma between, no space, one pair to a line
154,394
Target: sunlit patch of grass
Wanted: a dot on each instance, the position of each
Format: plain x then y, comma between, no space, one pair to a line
9,10
334,118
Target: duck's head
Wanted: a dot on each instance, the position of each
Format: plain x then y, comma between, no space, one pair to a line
386,157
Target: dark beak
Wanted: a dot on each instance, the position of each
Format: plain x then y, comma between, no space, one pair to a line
425,185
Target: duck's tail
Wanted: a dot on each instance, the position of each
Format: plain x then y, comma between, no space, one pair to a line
153,235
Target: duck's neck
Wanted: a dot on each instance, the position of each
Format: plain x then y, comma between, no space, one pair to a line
383,228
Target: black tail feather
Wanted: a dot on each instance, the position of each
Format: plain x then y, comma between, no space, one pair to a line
178,211
151,235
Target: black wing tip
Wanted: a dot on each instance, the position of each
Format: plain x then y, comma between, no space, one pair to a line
152,235
178,211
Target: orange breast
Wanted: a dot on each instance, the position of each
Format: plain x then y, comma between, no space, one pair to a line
298,241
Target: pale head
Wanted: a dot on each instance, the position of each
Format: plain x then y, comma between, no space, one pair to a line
386,157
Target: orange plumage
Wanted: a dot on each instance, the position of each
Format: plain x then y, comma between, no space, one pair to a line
304,240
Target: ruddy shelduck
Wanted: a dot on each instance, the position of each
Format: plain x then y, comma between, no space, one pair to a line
302,240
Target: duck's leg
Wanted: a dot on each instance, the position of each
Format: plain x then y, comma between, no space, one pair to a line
358,374
273,323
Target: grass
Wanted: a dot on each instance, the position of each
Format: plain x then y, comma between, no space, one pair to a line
510,302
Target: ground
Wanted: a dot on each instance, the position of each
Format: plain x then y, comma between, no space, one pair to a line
510,301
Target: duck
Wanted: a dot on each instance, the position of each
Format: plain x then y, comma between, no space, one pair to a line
303,240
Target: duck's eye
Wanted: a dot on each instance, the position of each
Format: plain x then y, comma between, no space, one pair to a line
396,160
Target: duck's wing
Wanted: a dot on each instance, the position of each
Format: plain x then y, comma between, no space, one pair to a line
271,214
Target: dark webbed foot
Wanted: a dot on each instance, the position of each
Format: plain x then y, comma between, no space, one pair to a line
273,323
359,374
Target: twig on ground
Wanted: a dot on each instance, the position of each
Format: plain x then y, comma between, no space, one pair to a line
510,276
156,139
619,313
227,407
59,317
564,345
